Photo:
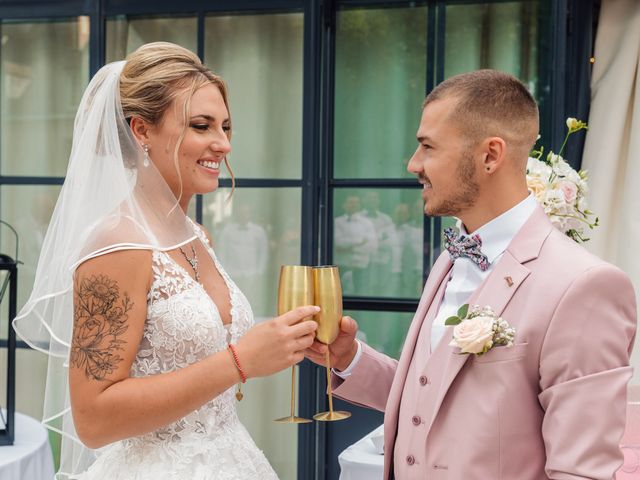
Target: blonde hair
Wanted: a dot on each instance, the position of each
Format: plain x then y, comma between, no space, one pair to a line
154,76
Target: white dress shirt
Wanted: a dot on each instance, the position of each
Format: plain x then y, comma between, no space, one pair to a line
355,240
385,232
244,249
466,276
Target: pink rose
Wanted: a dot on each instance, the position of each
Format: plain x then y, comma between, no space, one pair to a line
570,192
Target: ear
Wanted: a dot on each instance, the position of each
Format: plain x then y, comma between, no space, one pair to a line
494,150
140,130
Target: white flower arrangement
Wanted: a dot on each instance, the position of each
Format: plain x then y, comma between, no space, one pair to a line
560,190
477,330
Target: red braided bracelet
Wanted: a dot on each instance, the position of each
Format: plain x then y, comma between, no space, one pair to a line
236,360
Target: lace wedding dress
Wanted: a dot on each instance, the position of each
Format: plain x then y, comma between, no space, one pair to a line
183,326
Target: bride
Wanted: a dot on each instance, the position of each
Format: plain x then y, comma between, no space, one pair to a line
147,334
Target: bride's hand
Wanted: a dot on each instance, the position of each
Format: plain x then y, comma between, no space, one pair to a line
276,344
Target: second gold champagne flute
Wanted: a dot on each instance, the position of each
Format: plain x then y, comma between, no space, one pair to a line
295,289
328,296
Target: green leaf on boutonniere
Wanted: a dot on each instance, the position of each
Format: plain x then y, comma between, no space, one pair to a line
453,320
463,310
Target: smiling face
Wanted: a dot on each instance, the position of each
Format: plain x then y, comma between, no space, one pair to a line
203,148
444,162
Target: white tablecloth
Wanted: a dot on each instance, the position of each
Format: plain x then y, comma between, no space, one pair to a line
29,458
361,461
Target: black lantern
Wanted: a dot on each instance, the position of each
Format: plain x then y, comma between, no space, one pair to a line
9,293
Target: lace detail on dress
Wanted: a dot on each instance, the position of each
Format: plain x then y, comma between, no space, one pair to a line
183,326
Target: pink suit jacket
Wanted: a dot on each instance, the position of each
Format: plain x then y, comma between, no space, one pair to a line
552,406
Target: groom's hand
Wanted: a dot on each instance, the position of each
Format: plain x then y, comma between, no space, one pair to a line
342,350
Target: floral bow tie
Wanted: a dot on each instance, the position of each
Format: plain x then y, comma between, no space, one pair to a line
464,246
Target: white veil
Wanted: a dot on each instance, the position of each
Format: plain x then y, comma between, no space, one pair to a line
111,200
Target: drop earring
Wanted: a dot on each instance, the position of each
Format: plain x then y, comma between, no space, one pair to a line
145,147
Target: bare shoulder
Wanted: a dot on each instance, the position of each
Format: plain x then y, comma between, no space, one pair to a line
128,266
123,272
110,309
206,233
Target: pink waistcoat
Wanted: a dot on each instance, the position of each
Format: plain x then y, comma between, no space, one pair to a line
419,396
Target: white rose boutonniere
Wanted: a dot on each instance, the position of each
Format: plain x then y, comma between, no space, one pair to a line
477,330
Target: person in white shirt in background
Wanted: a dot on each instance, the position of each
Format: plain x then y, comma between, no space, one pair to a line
244,249
379,270
407,255
355,242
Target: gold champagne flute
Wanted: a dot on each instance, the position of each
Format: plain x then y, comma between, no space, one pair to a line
328,296
295,289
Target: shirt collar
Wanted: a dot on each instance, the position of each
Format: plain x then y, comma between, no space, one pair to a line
498,233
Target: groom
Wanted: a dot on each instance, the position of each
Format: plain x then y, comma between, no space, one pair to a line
553,404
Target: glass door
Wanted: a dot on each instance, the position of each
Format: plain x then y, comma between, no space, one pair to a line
259,228
383,60
260,56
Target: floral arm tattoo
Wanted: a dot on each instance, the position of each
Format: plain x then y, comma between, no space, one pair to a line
100,319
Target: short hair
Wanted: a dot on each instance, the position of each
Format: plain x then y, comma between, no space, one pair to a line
491,103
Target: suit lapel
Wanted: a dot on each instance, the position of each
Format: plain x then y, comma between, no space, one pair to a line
438,273
496,291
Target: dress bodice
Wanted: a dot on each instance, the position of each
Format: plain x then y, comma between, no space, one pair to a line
184,326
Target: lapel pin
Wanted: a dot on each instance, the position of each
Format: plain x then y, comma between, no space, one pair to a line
509,281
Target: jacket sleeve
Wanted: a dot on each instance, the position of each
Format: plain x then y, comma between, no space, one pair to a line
370,380
584,371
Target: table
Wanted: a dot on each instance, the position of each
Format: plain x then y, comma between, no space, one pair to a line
361,461
29,458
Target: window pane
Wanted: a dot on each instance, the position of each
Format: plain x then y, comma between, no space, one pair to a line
379,242
28,209
31,370
125,35
502,36
260,58
384,331
43,72
253,234
380,83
